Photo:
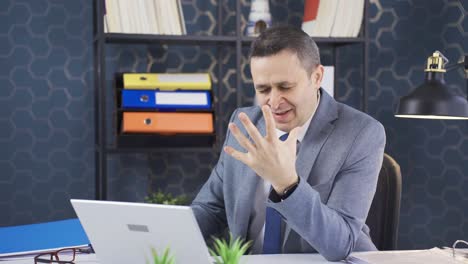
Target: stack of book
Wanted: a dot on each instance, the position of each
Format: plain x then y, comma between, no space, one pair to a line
144,17
333,18
167,104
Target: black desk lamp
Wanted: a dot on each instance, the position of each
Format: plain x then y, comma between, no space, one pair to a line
433,99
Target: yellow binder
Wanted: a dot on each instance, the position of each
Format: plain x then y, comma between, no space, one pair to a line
167,81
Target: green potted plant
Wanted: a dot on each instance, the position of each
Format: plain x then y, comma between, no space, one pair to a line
229,252
165,258
161,197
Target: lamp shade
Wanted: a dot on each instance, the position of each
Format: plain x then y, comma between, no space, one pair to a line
433,100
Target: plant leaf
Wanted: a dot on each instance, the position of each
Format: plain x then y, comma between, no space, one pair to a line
166,258
229,252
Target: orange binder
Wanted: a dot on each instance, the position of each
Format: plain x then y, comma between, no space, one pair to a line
167,123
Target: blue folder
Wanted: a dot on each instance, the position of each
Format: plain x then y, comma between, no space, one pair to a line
15,240
151,99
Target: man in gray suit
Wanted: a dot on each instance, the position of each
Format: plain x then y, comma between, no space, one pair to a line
310,192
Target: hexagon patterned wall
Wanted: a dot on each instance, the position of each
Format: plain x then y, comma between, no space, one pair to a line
46,106
47,102
433,155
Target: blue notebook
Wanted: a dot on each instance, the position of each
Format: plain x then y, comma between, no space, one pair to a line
26,239
169,100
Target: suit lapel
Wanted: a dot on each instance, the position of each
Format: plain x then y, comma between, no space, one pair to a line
319,129
245,200
249,181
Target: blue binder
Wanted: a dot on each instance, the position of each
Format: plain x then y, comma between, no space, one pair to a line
170,100
23,239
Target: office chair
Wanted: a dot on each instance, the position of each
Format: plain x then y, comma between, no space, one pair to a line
384,213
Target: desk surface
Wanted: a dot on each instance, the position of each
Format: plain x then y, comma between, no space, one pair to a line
434,255
382,257
251,259
285,259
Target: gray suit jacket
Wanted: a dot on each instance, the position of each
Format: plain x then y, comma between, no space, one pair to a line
339,161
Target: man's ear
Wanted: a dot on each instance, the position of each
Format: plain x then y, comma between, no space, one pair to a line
317,76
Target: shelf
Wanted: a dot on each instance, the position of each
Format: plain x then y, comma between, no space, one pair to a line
154,110
180,39
144,140
123,38
339,40
126,143
115,150
321,40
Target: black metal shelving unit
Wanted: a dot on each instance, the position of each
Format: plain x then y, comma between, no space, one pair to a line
100,39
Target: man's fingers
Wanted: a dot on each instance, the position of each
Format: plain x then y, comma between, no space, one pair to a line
251,129
243,140
242,157
269,122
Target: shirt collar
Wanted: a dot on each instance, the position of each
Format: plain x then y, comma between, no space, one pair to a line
303,128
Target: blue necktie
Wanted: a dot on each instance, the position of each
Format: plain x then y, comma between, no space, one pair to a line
272,237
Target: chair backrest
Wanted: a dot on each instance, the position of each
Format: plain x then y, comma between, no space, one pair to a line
384,214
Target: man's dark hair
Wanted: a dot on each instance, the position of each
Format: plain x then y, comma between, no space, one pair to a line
278,38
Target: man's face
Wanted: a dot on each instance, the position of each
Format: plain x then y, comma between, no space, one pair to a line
283,84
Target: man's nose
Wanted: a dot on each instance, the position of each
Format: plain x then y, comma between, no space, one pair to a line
275,99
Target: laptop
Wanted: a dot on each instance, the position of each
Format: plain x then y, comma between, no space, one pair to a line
123,232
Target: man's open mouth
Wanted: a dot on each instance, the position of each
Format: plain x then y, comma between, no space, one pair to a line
281,113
